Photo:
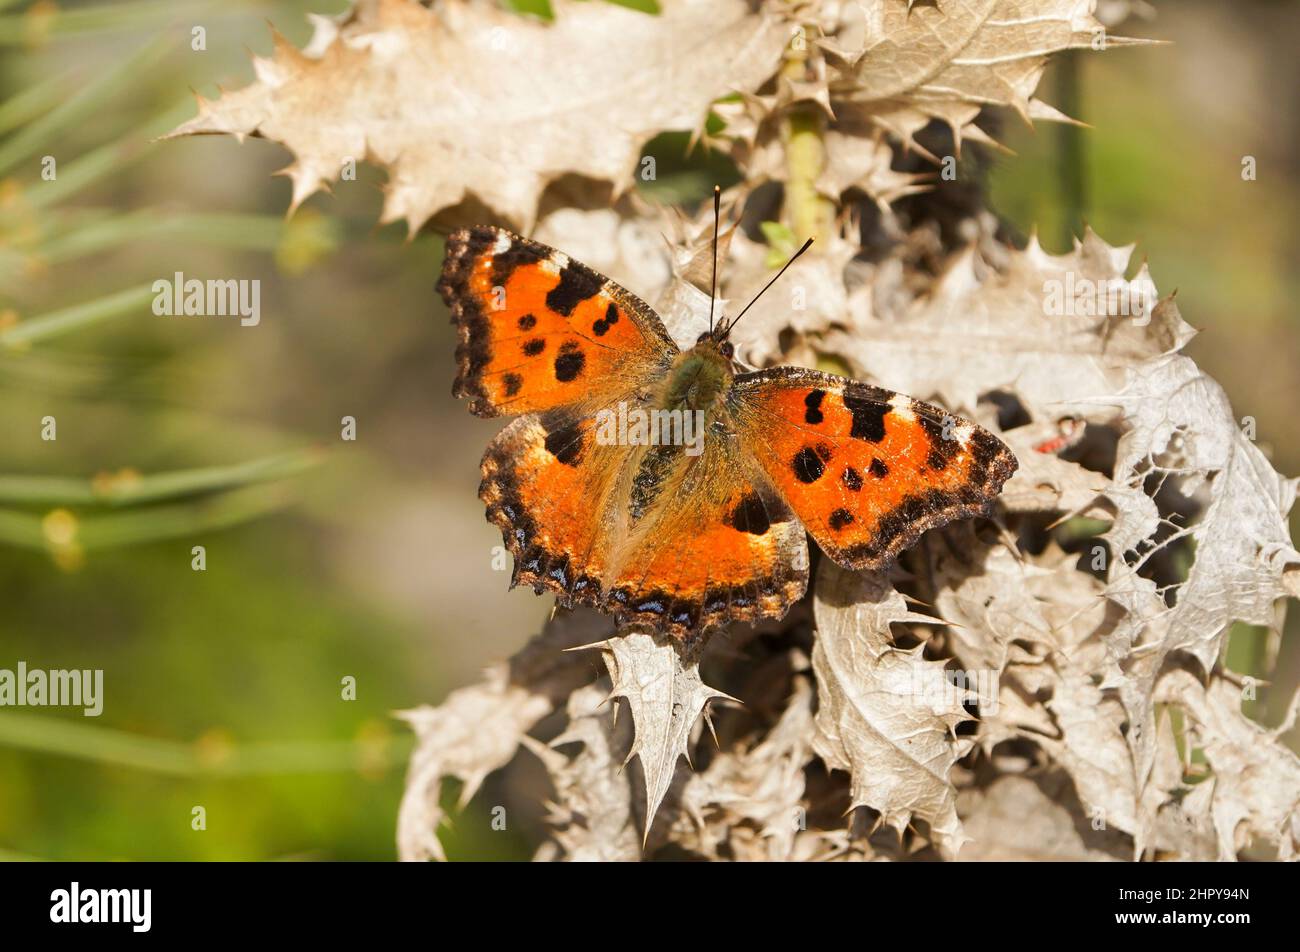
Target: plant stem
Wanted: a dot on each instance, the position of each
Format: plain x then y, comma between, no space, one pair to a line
90,742
809,214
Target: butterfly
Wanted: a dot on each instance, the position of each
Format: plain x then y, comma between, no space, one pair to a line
671,487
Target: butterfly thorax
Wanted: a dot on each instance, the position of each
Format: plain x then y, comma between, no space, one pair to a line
698,379
688,402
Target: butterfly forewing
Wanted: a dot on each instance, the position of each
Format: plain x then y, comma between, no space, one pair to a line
539,330
866,470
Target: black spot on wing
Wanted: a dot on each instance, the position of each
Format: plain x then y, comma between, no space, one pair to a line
813,414
564,441
807,465
868,417
852,479
750,515
534,347
527,322
569,362
513,383
943,446
878,469
602,326
840,519
577,283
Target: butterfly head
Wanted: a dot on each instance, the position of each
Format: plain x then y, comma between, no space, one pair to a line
716,341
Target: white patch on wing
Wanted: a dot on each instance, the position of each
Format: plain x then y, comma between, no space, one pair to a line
555,263
901,407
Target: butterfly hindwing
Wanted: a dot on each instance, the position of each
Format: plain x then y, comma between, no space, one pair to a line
866,470
539,330
653,535
718,545
545,480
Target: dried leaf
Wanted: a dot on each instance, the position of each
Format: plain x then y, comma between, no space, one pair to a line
884,714
1254,794
1179,421
750,799
466,101
666,697
899,66
591,819
1037,328
478,729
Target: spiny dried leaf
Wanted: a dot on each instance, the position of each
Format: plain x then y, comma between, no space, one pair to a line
666,697
899,67
1035,328
1046,482
884,714
1254,793
750,799
856,153
591,818
1089,742
477,729
1179,421
983,591
810,298
464,101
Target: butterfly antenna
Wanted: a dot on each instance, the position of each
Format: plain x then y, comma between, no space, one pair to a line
806,245
713,294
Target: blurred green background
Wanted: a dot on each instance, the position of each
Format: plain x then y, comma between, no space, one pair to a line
370,558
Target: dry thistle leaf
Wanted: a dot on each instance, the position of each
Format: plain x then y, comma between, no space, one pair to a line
478,729
1254,793
885,714
751,799
466,101
899,66
591,819
666,697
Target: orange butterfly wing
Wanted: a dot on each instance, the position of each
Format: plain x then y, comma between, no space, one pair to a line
539,330
702,544
866,470
716,545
